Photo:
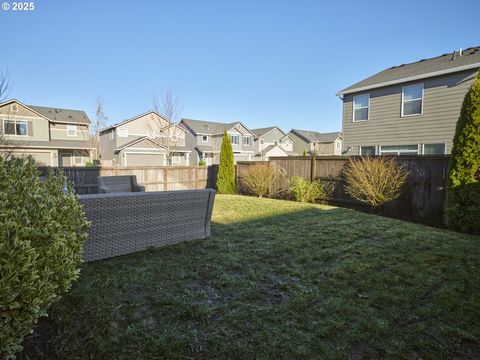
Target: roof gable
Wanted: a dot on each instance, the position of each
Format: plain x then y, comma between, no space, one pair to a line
264,131
133,119
199,127
139,140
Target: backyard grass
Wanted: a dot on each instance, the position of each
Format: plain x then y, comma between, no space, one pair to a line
278,280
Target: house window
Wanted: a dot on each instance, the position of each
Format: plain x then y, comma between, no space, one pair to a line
176,159
205,138
71,130
398,149
112,134
15,127
412,100
78,160
338,145
247,140
367,150
235,139
122,132
434,149
360,107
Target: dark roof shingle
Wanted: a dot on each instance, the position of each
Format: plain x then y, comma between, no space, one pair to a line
452,62
62,115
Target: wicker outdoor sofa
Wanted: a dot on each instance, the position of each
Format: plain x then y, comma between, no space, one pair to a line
124,223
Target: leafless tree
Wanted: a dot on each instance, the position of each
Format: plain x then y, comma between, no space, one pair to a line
5,85
99,123
170,107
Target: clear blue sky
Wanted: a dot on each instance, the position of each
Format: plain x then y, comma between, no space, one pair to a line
262,62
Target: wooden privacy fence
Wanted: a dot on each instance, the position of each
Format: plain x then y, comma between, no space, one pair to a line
422,198
154,178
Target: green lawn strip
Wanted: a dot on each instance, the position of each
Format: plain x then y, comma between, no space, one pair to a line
279,279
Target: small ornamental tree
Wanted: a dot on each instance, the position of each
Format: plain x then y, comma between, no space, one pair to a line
226,168
42,230
462,207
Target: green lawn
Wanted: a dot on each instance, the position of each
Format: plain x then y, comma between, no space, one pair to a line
278,280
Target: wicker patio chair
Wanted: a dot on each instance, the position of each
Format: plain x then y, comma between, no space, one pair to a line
116,184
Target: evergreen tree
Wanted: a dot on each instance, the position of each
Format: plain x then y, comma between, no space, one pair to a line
462,208
226,169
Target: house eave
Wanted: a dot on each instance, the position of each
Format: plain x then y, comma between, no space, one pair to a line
410,78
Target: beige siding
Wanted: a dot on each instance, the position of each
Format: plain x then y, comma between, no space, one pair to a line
38,127
141,127
107,146
42,157
442,101
59,132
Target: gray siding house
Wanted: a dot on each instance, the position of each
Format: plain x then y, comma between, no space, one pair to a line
408,109
271,141
315,143
52,136
206,138
144,140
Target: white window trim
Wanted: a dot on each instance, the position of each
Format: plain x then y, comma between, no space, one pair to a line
176,159
231,136
70,128
249,138
125,131
112,134
380,152
75,158
444,148
151,134
403,102
15,121
203,138
338,145
368,107
360,149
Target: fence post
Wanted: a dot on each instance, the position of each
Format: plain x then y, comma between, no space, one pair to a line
196,177
165,178
313,168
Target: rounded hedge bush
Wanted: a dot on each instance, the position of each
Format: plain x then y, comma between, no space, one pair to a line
462,207
42,231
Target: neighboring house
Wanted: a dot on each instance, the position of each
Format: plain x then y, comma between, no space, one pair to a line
408,109
144,140
271,141
315,143
52,136
206,138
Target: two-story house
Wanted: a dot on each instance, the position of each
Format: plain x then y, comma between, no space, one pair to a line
316,143
408,109
52,136
144,140
271,141
207,136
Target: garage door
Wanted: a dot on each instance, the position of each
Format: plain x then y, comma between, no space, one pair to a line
42,158
135,159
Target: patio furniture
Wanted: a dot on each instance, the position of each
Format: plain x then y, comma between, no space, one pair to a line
124,223
115,184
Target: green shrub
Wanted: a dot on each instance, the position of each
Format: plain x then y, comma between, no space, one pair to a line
202,162
374,181
90,164
42,230
226,168
462,207
260,179
304,190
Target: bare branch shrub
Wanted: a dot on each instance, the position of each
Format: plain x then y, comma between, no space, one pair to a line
260,179
374,181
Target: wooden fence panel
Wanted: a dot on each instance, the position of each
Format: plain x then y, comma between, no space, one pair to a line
422,200
154,178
